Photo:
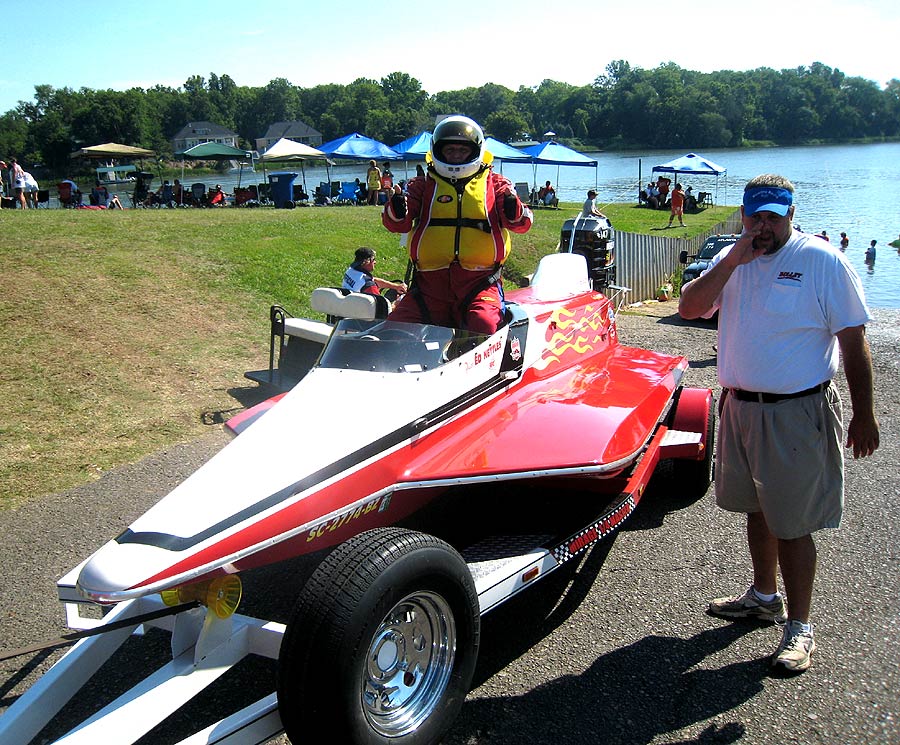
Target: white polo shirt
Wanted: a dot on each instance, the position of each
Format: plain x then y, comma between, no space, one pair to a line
778,316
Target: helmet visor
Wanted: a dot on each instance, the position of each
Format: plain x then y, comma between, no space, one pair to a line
455,151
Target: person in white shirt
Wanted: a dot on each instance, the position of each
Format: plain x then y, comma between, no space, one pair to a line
359,276
788,303
589,209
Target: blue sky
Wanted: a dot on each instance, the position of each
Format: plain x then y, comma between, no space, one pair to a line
514,43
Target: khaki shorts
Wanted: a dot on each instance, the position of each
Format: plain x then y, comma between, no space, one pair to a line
784,459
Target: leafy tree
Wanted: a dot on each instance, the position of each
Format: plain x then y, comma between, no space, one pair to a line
403,92
13,134
488,99
666,106
505,124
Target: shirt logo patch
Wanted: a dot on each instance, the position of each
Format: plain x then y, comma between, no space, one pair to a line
444,198
792,276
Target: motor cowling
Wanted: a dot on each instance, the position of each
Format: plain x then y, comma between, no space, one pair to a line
593,238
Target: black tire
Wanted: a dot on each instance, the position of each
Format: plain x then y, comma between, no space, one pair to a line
693,477
382,643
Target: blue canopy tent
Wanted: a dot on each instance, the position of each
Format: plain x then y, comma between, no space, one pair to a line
694,165
501,152
355,146
415,147
359,147
551,153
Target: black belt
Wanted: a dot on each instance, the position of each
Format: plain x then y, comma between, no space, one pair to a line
771,398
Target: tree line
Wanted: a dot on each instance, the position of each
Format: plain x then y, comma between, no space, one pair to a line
624,108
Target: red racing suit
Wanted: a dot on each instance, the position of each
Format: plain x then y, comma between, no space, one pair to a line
458,241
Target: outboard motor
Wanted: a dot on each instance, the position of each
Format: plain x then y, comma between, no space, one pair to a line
593,238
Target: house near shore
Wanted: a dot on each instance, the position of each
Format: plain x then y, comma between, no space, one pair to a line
196,133
297,131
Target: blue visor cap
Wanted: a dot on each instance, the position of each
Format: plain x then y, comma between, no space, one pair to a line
767,199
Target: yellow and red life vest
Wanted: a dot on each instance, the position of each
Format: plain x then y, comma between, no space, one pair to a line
459,221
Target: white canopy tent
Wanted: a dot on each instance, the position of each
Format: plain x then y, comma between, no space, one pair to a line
289,151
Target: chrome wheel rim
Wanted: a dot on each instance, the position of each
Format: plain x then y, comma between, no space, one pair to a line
408,664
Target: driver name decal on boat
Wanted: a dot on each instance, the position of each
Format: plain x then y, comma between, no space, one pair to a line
488,355
329,526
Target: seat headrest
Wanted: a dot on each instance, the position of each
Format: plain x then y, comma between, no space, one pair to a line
561,275
333,301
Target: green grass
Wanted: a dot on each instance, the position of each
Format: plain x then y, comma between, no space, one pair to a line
128,331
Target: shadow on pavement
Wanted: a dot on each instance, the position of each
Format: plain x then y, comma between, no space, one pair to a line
629,695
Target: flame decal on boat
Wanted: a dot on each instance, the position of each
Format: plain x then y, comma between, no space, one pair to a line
572,333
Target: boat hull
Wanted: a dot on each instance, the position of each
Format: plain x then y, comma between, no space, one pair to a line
552,397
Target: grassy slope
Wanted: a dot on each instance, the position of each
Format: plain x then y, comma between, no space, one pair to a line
125,332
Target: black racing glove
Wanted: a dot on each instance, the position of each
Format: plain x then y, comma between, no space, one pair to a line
510,206
398,205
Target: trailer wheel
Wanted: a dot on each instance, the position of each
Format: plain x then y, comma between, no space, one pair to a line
382,643
693,477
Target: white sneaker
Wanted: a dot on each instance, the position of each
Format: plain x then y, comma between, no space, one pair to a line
795,651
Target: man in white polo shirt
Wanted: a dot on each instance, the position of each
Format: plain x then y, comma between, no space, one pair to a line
787,303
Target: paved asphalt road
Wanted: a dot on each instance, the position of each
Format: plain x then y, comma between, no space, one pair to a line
620,651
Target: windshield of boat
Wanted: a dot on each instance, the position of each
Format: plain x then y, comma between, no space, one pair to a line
392,346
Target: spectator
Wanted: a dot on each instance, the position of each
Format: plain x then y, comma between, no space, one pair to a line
662,187
99,195
589,209
31,190
677,207
216,197
373,183
870,251
690,201
651,195
458,217
778,453
362,192
547,195
69,193
17,180
387,183
360,277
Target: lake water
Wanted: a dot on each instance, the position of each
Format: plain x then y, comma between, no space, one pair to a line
847,188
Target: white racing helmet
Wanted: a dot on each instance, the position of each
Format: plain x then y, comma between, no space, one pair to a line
456,130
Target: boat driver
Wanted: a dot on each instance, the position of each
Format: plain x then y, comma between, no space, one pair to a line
458,217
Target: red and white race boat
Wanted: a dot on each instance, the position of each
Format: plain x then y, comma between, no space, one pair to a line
428,474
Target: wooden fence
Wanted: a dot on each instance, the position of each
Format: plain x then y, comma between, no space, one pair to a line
644,262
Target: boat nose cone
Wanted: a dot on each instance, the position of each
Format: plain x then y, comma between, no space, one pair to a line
116,568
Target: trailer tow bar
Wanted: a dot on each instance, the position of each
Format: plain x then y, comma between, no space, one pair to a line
66,639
